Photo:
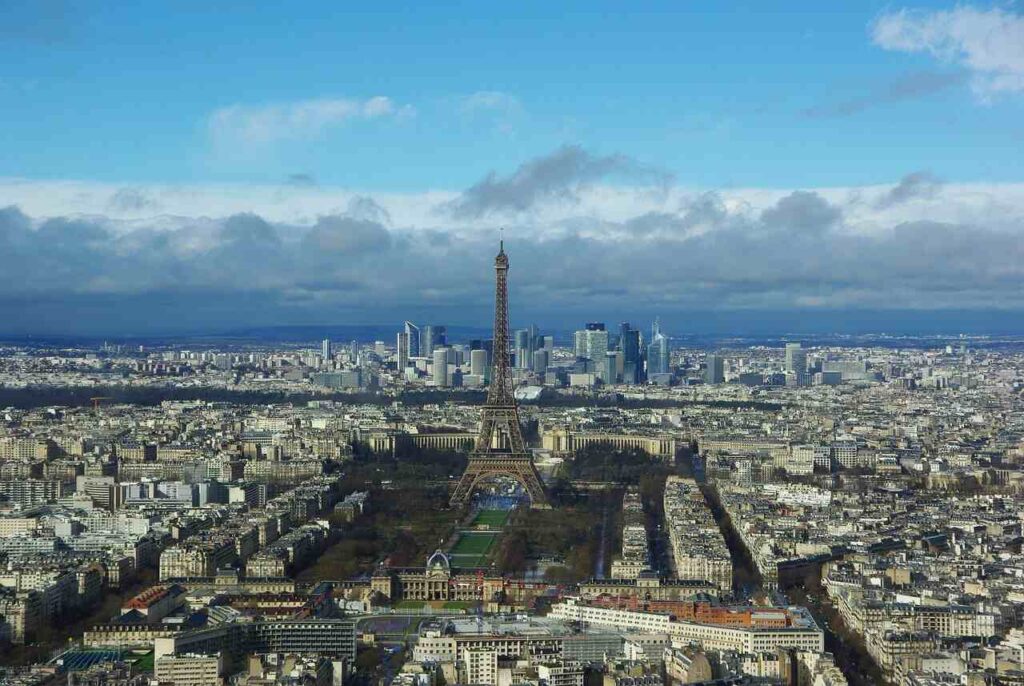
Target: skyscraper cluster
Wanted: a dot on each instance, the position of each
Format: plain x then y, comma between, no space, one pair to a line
626,358
532,350
412,343
427,350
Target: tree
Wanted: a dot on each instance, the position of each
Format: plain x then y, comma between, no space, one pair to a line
557,574
512,553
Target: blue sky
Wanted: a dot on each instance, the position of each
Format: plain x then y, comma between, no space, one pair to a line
202,166
716,93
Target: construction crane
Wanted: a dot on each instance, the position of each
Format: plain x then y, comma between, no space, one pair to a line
96,400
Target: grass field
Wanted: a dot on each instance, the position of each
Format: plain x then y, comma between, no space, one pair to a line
410,605
459,605
492,518
471,549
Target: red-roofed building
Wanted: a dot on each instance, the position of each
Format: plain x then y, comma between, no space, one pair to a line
156,602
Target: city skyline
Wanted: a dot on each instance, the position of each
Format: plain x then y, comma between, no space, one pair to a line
689,176
547,344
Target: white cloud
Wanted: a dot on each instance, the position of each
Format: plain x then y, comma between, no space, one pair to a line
501,109
989,43
866,208
301,119
490,100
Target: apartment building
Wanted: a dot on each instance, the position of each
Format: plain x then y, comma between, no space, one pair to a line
189,670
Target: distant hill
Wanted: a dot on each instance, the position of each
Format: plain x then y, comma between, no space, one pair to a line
364,333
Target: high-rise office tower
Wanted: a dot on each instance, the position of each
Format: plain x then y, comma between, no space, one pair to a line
654,357
796,363
325,349
540,361
659,352
715,372
353,350
592,343
522,348
609,367
402,350
434,336
482,344
666,355
455,354
580,344
629,344
478,362
440,367
488,347
427,341
413,332
597,344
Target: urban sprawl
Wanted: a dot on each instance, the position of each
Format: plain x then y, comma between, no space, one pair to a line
792,514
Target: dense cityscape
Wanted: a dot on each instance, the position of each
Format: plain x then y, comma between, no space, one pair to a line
512,510
585,343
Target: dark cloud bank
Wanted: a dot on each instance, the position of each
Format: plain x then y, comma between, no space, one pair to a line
559,176
793,267
908,87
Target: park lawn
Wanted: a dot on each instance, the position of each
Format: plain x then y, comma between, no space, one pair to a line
492,518
468,561
410,605
459,605
471,550
472,543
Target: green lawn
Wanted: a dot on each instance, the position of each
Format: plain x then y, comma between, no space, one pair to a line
473,543
459,605
471,549
492,518
410,605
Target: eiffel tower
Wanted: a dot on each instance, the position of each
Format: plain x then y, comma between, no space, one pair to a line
500,449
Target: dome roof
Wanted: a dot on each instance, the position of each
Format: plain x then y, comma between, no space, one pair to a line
438,561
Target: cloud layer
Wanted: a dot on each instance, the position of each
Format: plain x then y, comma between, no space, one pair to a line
580,245
261,124
558,177
989,43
